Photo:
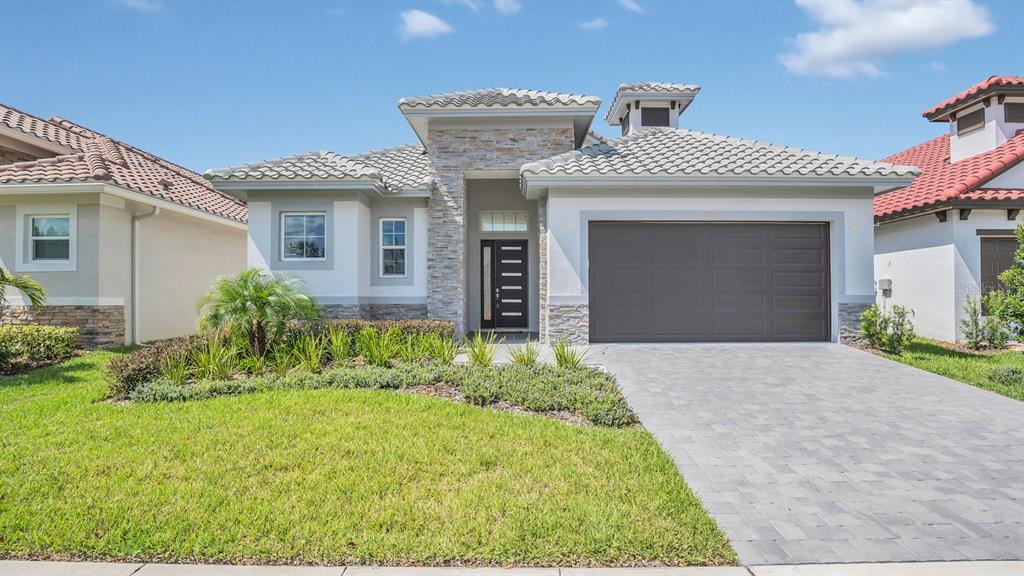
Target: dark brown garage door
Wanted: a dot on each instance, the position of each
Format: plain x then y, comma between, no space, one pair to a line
708,282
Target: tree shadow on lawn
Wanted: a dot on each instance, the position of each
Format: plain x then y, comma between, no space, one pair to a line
76,370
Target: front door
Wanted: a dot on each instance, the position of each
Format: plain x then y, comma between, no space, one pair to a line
504,297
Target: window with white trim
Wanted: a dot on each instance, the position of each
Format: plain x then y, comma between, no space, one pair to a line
392,247
50,237
504,221
303,236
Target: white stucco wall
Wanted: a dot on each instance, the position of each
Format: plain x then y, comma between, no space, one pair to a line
349,276
995,132
848,212
935,266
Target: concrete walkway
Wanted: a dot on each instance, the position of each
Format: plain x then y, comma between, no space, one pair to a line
820,453
35,568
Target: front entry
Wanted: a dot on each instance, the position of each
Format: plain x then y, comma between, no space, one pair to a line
503,284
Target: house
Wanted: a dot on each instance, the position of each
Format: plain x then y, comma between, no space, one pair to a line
946,237
508,214
123,242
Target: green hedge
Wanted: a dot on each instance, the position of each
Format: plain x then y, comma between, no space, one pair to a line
129,371
34,344
588,393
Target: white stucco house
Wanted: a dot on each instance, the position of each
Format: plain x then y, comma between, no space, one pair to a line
946,237
124,242
510,214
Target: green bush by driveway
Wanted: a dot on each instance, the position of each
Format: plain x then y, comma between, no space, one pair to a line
329,476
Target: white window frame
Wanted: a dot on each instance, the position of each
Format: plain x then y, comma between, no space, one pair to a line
284,215
493,212
404,247
32,239
25,258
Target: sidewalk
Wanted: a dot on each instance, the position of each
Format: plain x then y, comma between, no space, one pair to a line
34,568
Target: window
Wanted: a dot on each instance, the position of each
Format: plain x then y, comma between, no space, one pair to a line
50,238
1014,112
654,116
504,221
392,247
303,236
970,122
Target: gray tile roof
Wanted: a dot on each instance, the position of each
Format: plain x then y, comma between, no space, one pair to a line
662,90
497,97
672,151
402,167
658,87
312,166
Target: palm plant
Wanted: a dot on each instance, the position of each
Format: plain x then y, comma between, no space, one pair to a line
30,288
255,305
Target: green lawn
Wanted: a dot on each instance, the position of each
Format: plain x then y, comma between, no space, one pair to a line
963,366
330,476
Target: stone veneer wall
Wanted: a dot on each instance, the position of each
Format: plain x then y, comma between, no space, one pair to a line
542,274
376,311
849,321
570,322
99,326
453,151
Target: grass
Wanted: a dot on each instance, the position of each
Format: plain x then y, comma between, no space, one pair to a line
330,476
966,367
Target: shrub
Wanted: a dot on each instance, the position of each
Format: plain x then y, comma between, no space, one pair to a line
309,351
525,355
987,332
5,357
409,327
416,348
282,361
340,344
34,344
255,305
569,357
128,371
379,348
890,332
1007,375
175,369
443,349
480,351
254,365
216,360
481,387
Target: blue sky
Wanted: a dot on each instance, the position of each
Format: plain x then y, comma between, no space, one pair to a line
208,85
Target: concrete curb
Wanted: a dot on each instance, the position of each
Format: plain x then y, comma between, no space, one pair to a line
44,568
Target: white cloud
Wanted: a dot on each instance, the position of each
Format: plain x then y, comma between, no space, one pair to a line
148,6
473,5
855,35
420,24
507,6
595,24
631,5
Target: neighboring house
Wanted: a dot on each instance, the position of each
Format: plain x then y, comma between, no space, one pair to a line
509,214
947,236
123,242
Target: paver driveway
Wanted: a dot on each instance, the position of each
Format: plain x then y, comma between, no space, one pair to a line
823,453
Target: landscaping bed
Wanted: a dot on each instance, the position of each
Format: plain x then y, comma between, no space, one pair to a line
27,347
408,355
329,476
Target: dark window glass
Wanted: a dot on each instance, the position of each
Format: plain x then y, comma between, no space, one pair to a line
970,122
654,116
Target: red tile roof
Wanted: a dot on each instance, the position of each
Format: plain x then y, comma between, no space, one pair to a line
940,112
98,158
944,182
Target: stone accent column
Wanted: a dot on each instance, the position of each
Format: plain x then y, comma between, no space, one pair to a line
98,326
849,321
453,151
570,322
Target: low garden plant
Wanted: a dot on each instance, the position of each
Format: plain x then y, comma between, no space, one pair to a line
988,331
887,331
480,350
525,355
568,356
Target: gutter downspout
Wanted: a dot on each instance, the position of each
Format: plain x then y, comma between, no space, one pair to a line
135,271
